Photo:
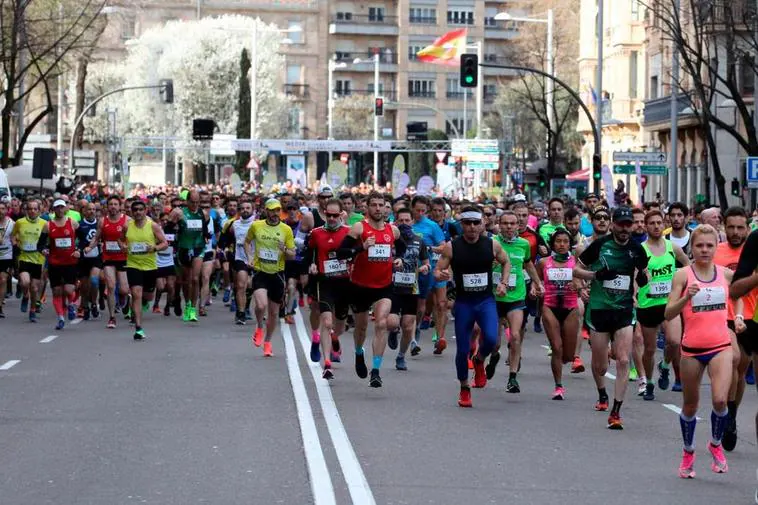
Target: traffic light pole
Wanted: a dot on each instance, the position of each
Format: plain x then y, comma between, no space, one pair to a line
596,159
88,108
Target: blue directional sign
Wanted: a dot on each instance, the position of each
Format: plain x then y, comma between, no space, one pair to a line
752,172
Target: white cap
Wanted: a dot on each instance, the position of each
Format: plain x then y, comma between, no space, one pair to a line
59,203
519,198
325,189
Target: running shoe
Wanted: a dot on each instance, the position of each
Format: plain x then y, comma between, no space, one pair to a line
602,404
239,320
214,290
38,306
649,393
677,387
392,339
614,421
167,310
633,375
203,312
435,337
376,380
729,442
193,315
336,357
327,374
336,344
145,306
32,316
94,311
268,352
719,460
289,319
686,467
641,386
178,309
426,322
60,324
470,364
24,304
85,314
559,392
101,303
512,386
360,366
2,314
258,337
440,346
400,363
415,349
79,312
301,302
537,325
663,377
139,334
577,366
227,295
111,323
315,352
464,397
156,309
750,375
480,375
492,365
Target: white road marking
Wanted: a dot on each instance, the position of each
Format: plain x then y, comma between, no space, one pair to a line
675,409
76,321
546,347
321,482
49,339
10,364
357,485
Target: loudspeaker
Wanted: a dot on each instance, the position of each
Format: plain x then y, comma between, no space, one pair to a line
202,129
44,163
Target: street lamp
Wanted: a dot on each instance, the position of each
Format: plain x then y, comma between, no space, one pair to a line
330,102
376,118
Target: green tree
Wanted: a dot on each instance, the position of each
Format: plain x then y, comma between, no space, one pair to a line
243,110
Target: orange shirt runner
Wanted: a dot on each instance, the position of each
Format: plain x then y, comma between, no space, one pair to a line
728,257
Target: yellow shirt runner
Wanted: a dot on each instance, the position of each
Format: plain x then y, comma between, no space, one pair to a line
27,235
268,256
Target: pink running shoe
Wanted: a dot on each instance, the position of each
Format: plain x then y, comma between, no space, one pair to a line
686,470
719,460
559,392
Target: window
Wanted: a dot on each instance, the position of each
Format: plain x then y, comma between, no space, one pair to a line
342,87
413,48
129,27
294,74
747,75
294,120
456,17
423,15
344,16
371,88
376,14
295,35
424,88
342,56
654,87
633,74
635,10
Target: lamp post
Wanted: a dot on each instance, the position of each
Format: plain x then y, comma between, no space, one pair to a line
375,59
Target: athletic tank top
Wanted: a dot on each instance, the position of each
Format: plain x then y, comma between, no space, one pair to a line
661,269
318,221
683,242
6,246
472,268
191,230
559,288
372,267
704,316
165,258
300,237
62,243
112,232
137,242
85,233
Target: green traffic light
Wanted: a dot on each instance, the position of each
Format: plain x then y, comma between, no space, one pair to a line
469,79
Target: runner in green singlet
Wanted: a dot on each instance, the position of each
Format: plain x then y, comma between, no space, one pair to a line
192,238
546,230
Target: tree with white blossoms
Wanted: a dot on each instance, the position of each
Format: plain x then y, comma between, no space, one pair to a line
202,58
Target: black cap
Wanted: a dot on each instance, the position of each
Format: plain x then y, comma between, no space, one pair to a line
601,209
591,195
623,214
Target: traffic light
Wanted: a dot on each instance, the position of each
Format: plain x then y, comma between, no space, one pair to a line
541,179
379,106
597,169
735,187
469,70
167,90
202,129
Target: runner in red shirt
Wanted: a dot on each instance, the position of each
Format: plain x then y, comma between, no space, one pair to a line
332,284
109,231
371,243
63,257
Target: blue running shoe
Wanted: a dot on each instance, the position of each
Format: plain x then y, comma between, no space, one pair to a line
60,324
660,343
426,322
24,304
227,295
32,317
71,312
315,352
233,306
677,387
663,377
750,375
400,363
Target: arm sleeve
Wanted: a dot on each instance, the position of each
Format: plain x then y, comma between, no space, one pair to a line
42,243
591,254
640,262
748,258
226,238
309,252
423,253
349,247
400,247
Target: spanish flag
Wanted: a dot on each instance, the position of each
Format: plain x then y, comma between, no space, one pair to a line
446,50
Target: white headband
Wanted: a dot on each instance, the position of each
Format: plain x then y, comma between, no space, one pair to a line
471,216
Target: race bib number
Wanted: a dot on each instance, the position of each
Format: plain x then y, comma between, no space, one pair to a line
379,252
474,282
660,289
170,237
138,248
194,224
112,246
512,278
28,247
335,267
620,283
94,253
404,278
560,274
268,255
709,299
436,257
63,243
496,278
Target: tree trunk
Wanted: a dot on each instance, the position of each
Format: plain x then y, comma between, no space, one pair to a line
719,178
81,77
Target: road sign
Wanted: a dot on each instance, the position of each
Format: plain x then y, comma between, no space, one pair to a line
478,154
657,157
85,163
644,169
752,172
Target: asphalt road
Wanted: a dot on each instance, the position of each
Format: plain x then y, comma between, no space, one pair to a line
195,414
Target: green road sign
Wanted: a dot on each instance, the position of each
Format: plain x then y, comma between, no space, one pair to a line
644,169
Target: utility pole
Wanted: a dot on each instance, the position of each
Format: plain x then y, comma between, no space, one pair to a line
673,179
599,89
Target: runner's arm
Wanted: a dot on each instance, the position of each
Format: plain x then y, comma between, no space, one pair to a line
678,286
681,257
746,276
351,245
160,239
441,272
289,245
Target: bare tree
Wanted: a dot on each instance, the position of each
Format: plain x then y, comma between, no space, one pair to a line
354,117
38,38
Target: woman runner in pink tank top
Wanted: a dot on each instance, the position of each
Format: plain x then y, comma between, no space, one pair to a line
699,293
559,315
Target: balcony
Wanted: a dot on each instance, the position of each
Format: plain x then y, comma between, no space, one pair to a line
422,94
458,95
659,111
422,20
499,30
296,91
387,60
346,23
389,94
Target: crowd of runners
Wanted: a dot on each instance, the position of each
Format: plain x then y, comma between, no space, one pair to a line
623,281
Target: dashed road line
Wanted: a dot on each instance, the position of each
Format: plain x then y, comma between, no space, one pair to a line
49,339
10,364
675,409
